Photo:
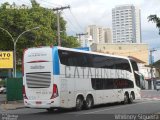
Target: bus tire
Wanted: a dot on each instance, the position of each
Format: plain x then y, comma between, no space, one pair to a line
126,98
89,102
131,98
79,103
50,109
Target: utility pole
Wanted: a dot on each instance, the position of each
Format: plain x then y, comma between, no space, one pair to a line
58,23
81,34
151,60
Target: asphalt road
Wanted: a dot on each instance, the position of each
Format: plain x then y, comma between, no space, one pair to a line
143,109
102,112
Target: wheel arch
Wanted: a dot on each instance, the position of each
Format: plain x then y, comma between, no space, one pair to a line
127,93
80,95
132,92
89,94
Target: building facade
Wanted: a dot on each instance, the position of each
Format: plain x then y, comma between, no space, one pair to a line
139,51
126,24
149,79
99,34
107,35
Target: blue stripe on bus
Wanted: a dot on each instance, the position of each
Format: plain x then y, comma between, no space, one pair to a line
56,70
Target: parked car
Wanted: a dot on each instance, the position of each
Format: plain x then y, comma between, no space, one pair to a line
2,89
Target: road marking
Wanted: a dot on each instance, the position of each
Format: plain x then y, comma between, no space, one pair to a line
115,108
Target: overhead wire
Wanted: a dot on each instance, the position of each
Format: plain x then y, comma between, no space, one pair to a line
70,22
53,5
81,28
43,2
25,3
50,3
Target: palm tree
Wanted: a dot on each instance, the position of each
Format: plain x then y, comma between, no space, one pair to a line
156,20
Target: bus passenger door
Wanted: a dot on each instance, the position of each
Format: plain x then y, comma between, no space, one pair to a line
119,96
67,93
71,92
118,90
99,91
99,96
63,94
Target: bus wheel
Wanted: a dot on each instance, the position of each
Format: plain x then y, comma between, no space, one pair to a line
131,98
79,103
89,102
126,98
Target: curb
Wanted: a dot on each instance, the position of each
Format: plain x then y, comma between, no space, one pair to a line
148,90
12,106
156,99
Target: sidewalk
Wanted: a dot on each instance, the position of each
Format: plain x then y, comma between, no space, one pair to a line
12,105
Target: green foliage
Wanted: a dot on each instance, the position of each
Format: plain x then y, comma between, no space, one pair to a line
16,21
3,83
70,41
156,20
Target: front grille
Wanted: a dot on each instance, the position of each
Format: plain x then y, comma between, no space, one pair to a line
38,80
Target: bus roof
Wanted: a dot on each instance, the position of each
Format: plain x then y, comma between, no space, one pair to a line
90,52
81,51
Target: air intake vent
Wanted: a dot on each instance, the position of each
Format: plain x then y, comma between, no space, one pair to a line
38,80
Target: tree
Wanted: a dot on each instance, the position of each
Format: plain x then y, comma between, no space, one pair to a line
15,21
70,41
156,20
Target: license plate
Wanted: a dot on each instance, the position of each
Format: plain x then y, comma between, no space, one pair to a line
38,102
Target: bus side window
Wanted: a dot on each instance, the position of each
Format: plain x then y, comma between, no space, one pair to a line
135,70
137,77
122,64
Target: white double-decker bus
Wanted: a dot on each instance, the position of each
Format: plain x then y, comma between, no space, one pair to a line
57,77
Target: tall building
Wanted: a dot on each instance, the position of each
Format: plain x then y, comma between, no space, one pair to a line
88,41
108,35
126,24
85,41
99,34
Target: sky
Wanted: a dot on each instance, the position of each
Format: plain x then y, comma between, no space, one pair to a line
99,12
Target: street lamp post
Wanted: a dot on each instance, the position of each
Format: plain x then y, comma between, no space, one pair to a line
14,43
151,60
